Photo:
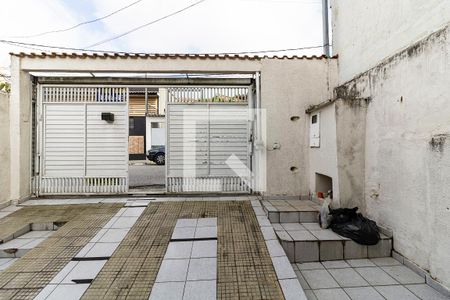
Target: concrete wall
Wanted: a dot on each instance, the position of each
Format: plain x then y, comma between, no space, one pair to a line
4,149
323,160
365,32
407,149
287,89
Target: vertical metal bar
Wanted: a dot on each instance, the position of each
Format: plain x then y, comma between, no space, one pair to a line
146,102
326,28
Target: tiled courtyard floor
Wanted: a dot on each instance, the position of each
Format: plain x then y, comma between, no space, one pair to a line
244,266
248,262
363,279
27,276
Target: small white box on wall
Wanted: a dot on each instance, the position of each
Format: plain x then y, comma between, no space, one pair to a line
314,131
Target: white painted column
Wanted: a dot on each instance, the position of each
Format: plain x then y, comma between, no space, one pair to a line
20,132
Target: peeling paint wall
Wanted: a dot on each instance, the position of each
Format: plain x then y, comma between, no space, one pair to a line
4,148
366,32
407,149
351,130
288,87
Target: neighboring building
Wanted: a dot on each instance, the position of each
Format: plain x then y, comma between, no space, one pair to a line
385,136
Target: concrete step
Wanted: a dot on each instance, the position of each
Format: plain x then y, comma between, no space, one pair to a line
291,211
307,242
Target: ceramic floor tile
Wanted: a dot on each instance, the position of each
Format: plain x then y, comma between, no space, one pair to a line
283,268
85,250
63,273
385,261
16,243
263,221
167,291
45,292
84,270
363,293
310,295
335,264
319,279
396,292
302,235
326,235
178,250
186,223
375,276
268,233
425,292
331,294
310,266
113,235
203,249
36,234
360,263
293,226
102,250
403,275
133,212
173,270
68,292
348,277
33,243
311,226
207,222
202,269
200,290
292,290
205,232
124,222
183,233
275,248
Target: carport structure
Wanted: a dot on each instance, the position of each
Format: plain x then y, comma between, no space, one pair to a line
73,120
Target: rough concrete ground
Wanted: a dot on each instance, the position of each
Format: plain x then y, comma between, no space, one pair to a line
146,175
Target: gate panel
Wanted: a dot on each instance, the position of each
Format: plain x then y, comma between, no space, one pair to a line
82,150
206,127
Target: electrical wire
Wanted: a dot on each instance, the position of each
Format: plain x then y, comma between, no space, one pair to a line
40,46
77,25
145,25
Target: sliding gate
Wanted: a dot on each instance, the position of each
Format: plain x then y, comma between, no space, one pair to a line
208,139
82,140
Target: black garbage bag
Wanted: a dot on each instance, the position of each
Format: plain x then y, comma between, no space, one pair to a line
348,223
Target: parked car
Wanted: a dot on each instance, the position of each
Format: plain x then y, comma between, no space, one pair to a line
157,154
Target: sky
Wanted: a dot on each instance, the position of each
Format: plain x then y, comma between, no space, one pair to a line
213,26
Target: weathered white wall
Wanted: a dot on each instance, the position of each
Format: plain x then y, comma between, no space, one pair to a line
407,149
287,89
4,148
365,32
323,160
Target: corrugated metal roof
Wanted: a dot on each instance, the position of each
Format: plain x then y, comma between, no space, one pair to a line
121,55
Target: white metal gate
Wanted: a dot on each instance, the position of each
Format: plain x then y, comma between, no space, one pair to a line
208,139
83,139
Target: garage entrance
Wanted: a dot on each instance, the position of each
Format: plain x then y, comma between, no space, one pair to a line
84,136
209,139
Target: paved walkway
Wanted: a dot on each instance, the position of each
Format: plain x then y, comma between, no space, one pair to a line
363,279
125,248
244,266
